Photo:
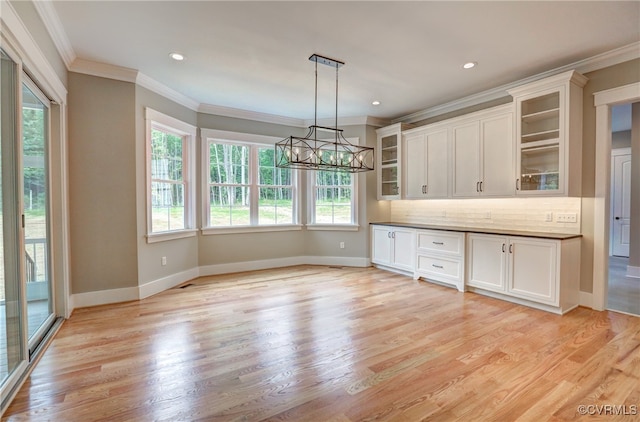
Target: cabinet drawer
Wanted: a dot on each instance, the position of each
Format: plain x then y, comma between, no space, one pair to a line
441,242
448,269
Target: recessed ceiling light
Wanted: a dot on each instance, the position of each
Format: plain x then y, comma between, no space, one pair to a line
376,102
469,65
177,56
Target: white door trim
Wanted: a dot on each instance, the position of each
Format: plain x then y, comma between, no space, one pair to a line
603,101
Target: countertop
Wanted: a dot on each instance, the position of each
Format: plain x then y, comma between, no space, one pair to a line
543,235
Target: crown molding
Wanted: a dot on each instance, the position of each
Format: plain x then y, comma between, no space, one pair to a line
350,121
56,30
17,36
169,93
104,70
250,115
600,61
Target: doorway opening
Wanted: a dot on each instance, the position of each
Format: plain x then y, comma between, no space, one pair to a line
623,293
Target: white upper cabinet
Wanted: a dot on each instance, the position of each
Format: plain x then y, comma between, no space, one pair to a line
549,135
426,158
483,159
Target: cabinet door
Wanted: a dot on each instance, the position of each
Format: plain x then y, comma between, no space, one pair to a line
415,165
388,164
437,150
404,248
381,245
533,269
487,262
466,159
497,156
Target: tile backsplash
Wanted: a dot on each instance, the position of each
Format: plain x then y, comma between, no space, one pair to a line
528,214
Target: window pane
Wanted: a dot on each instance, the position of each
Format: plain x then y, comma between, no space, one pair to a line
275,206
324,205
229,206
283,177
229,164
166,156
167,207
333,205
266,176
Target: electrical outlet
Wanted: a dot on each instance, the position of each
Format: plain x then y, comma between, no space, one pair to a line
341,245
163,261
569,217
548,217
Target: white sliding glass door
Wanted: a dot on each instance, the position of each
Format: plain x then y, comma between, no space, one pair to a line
13,354
35,202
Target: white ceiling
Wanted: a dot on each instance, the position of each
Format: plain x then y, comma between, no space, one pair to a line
408,55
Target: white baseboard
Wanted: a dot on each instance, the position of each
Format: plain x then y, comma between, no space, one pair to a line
236,267
106,297
341,261
165,283
633,271
103,297
586,299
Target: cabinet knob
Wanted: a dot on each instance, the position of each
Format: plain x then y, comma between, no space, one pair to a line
511,248
617,218
517,184
503,246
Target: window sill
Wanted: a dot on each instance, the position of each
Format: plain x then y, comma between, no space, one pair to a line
251,229
164,236
334,227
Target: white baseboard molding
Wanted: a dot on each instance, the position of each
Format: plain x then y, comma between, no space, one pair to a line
633,271
586,299
263,264
106,297
156,286
103,297
340,261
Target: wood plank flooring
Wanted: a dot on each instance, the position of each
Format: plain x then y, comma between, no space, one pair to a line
314,343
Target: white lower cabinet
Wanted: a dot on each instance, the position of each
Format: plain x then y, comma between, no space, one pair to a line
393,247
440,257
543,273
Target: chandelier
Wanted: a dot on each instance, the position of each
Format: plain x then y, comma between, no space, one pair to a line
332,152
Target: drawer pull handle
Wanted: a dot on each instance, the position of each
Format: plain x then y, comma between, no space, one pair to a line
437,266
438,243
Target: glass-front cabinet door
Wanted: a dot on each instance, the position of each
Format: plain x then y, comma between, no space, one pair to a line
389,156
549,135
540,151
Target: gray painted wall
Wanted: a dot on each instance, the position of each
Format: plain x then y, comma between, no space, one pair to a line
634,245
599,80
102,195
181,254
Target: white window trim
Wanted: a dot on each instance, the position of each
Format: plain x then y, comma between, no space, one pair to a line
246,139
155,119
311,204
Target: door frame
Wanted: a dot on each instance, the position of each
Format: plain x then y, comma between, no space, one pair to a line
603,101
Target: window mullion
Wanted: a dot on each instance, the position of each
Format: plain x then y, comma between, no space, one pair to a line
253,185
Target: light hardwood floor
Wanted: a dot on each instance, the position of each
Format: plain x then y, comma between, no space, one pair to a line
313,343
